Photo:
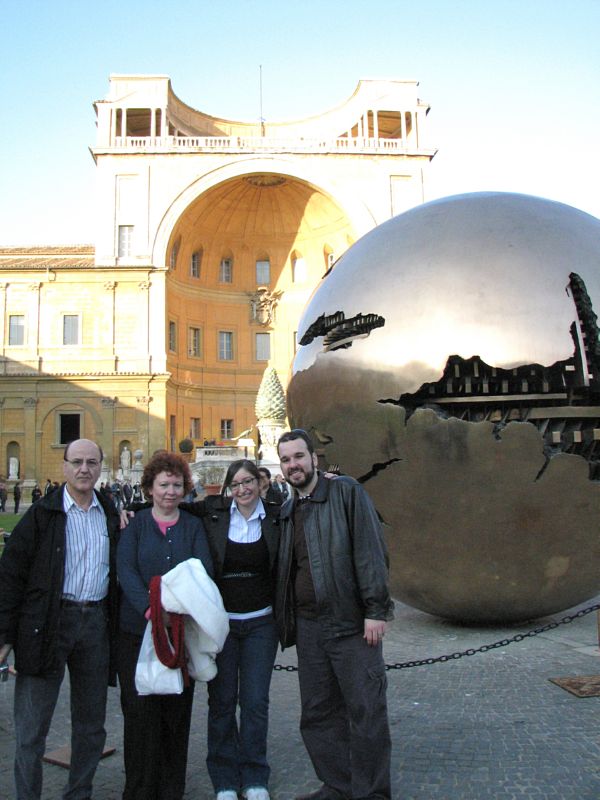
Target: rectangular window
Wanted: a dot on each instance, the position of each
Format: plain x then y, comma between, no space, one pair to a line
16,329
263,346
225,346
194,427
226,271
69,428
71,329
226,428
195,264
195,343
125,240
172,337
263,273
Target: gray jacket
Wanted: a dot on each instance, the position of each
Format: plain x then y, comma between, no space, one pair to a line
348,560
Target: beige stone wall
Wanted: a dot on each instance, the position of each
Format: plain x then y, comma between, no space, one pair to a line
104,379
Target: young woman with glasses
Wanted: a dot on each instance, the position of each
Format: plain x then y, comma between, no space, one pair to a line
243,533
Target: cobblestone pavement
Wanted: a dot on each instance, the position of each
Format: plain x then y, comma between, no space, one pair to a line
487,726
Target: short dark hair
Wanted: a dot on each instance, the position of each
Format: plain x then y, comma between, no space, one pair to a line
296,433
235,467
266,472
66,451
163,461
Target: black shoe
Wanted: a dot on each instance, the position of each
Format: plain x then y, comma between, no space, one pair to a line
324,793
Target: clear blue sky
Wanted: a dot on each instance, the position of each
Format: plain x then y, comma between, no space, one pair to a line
514,87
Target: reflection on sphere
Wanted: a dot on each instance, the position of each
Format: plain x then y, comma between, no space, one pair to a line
450,361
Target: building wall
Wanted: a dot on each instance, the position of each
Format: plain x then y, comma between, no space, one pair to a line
171,182
105,377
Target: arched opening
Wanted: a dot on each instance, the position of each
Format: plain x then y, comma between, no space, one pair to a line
248,228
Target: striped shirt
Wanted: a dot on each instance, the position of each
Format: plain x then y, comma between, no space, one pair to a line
86,552
244,530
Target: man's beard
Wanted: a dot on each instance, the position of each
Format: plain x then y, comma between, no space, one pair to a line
305,480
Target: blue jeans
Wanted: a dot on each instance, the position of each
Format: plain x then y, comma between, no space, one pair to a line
83,648
237,756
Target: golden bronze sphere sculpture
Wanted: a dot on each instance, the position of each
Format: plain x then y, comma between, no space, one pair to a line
450,361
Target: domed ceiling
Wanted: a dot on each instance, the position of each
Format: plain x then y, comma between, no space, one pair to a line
264,205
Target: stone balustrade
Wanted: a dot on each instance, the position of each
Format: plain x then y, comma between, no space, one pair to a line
262,144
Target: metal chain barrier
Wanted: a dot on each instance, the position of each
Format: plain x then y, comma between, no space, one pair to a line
473,651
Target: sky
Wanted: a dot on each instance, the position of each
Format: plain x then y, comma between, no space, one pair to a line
513,85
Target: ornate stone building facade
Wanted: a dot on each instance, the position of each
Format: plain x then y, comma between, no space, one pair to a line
211,236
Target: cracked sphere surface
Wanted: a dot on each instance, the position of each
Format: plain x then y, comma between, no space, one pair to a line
450,361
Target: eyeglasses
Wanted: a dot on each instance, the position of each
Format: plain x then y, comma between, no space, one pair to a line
92,463
246,482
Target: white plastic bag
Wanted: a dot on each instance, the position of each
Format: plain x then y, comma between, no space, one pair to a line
151,676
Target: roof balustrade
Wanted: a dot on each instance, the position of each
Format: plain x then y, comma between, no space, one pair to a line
263,144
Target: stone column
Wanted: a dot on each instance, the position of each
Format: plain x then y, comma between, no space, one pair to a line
29,472
113,125
403,128
3,288
107,415
110,286
34,318
143,423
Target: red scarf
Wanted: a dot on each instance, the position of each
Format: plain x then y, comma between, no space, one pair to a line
171,655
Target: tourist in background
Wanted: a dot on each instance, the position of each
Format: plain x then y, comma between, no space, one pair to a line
267,491
17,496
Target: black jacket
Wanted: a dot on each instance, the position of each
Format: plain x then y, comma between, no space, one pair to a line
214,511
348,560
31,580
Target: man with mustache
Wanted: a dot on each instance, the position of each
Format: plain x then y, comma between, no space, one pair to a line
333,602
58,611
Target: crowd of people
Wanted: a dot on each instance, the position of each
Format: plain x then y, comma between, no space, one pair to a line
17,493
298,560
122,493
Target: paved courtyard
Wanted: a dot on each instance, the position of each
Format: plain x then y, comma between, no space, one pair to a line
486,726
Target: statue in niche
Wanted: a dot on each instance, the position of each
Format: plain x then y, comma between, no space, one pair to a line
13,468
263,304
125,459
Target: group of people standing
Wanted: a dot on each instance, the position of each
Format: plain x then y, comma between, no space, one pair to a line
308,570
121,493
17,493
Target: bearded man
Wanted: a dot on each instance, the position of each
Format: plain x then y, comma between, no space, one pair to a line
333,602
